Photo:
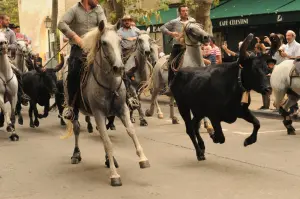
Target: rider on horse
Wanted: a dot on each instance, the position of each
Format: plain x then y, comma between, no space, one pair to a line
129,34
174,29
12,41
76,22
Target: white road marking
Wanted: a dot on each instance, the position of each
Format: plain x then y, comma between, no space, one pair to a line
260,132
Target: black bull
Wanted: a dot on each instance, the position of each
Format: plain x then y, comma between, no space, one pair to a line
39,85
216,92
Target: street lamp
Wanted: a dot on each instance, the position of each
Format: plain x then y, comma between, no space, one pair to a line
48,24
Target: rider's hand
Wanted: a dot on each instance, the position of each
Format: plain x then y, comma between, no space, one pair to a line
283,54
267,40
78,40
131,38
175,34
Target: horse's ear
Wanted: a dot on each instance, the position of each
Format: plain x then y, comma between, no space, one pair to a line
118,25
101,26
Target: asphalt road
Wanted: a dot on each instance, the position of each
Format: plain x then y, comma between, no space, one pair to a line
38,166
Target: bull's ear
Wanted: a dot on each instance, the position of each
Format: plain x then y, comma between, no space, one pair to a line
118,25
101,26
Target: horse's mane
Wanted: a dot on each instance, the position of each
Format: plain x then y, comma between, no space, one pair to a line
90,41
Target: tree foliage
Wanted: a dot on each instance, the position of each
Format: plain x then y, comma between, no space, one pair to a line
10,7
133,7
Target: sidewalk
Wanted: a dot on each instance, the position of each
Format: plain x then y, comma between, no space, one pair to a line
256,103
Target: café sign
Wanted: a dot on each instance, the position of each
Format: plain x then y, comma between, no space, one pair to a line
233,22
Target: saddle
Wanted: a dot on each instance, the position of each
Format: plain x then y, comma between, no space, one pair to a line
295,72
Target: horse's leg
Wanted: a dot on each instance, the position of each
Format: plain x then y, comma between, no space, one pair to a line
100,121
172,114
110,124
76,157
14,136
143,122
125,118
287,120
9,128
249,117
208,126
150,112
89,124
131,117
30,111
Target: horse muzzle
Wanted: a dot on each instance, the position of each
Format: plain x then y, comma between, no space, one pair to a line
118,70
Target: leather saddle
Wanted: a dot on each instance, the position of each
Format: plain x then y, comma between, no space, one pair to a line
295,72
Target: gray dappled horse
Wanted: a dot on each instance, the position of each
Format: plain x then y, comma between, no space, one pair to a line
193,36
8,88
108,96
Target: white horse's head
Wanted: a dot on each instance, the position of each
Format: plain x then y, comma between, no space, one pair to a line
154,52
143,43
3,44
22,47
103,46
194,33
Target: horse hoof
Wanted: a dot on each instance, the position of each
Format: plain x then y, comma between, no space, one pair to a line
144,164
10,128
147,113
175,120
249,141
20,120
132,120
115,182
160,116
75,160
62,122
14,138
143,123
31,125
36,123
291,132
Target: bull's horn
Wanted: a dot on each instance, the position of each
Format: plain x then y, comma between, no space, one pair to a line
38,69
246,42
61,64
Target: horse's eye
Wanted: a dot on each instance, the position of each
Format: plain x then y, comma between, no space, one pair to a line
104,43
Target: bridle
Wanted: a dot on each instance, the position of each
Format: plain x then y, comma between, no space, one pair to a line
187,33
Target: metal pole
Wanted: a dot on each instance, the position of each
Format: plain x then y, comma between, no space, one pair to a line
49,43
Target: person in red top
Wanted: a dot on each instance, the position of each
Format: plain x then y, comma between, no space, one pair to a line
216,51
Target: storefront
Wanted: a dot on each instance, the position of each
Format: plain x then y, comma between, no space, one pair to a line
233,20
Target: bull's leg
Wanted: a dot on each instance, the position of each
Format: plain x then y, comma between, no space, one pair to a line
100,121
89,124
1,119
217,136
110,124
186,116
143,122
46,111
61,110
30,111
249,117
19,113
172,114
287,120
201,144
125,118
36,115
76,157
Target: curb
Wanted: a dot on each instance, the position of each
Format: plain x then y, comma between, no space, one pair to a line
270,114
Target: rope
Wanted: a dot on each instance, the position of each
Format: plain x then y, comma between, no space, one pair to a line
56,55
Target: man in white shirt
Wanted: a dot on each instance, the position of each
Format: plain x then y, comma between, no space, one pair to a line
292,48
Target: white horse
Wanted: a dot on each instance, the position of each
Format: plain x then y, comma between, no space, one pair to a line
8,88
283,84
193,36
108,96
21,54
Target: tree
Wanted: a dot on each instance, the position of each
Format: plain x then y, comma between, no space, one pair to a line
10,7
54,25
200,10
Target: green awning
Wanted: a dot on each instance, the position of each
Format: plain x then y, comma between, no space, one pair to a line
241,8
292,6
